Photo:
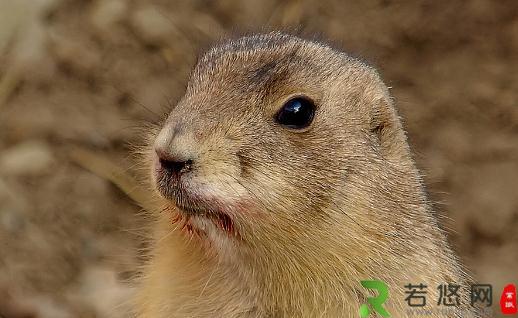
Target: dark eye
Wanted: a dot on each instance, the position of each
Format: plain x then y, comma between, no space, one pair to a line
296,113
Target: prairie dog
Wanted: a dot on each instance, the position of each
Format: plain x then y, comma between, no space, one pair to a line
286,179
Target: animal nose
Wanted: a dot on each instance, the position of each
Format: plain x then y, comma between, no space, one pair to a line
173,164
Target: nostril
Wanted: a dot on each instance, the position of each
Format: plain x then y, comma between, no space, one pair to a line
173,163
174,166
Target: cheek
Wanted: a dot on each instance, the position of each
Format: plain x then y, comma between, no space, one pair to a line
218,176
223,185
271,190
298,186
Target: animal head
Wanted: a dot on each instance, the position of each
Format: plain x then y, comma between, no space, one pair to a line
273,135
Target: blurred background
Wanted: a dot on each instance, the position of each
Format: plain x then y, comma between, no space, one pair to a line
86,73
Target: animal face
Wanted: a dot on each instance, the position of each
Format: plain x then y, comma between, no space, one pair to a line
265,136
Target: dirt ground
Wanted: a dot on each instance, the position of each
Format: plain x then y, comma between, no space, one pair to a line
87,73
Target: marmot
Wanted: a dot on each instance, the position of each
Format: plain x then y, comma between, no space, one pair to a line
286,179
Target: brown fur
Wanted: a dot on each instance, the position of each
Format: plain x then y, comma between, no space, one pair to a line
313,211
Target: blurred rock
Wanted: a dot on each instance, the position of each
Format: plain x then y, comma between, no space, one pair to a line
80,57
88,184
9,308
106,13
31,158
482,204
100,289
23,36
11,221
512,35
16,15
30,49
12,206
207,25
153,26
152,99
46,307
6,194
504,255
453,140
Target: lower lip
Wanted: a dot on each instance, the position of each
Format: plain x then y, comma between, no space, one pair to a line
191,211
220,220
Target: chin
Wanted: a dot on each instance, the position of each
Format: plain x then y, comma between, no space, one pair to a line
202,213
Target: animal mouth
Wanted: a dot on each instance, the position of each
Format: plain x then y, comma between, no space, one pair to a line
187,211
191,205
192,209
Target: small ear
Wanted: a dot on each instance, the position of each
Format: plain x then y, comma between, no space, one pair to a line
386,127
381,121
